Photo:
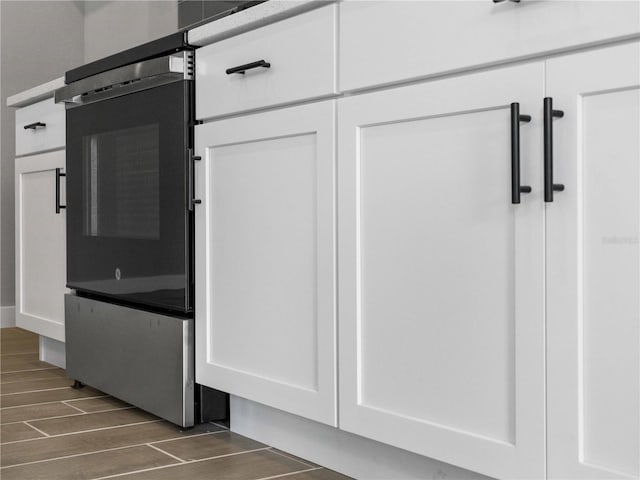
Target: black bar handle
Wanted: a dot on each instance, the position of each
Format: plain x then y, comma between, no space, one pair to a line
248,66
58,175
191,202
500,1
549,115
35,126
516,188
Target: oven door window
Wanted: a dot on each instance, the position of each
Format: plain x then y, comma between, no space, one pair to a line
121,183
128,224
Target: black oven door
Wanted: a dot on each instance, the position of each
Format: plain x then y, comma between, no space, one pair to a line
128,222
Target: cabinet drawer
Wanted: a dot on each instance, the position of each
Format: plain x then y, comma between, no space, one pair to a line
301,54
384,42
39,138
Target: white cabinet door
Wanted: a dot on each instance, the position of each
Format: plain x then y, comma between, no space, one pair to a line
441,339
40,245
265,295
593,270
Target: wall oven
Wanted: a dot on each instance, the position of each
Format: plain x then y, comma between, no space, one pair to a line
129,322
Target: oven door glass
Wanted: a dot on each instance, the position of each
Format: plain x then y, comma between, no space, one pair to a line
127,218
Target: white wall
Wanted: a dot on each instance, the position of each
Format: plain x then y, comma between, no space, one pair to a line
112,26
39,41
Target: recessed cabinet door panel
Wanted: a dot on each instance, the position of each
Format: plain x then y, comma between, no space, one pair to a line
40,246
440,275
593,281
265,275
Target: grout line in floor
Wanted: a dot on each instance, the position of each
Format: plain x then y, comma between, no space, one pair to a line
79,414
72,406
103,450
219,425
32,380
84,431
283,475
166,453
184,436
286,455
21,353
151,469
31,370
53,401
36,429
34,391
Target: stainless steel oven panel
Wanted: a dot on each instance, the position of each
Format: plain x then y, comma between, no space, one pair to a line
128,79
143,358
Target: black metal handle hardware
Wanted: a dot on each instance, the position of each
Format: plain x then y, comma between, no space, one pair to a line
35,126
58,175
500,1
248,66
516,188
549,115
191,180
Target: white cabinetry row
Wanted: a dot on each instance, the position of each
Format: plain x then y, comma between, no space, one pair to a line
360,260
40,248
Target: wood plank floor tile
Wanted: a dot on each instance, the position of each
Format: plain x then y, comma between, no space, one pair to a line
42,374
17,431
105,437
15,399
15,332
87,442
35,412
18,345
90,466
35,385
244,466
321,474
98,404
28,361
207,446
92,421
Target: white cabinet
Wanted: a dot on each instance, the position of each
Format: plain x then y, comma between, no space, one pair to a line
593,267
40,245
391,41
502,338
441,312
265,286
39,127
298,63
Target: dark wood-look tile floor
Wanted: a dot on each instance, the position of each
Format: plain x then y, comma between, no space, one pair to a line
50,431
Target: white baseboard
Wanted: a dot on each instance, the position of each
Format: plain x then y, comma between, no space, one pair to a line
344,452
7,317
53,352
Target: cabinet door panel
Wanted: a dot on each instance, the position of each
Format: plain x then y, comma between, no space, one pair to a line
593,266
40,246
441,307
265,314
